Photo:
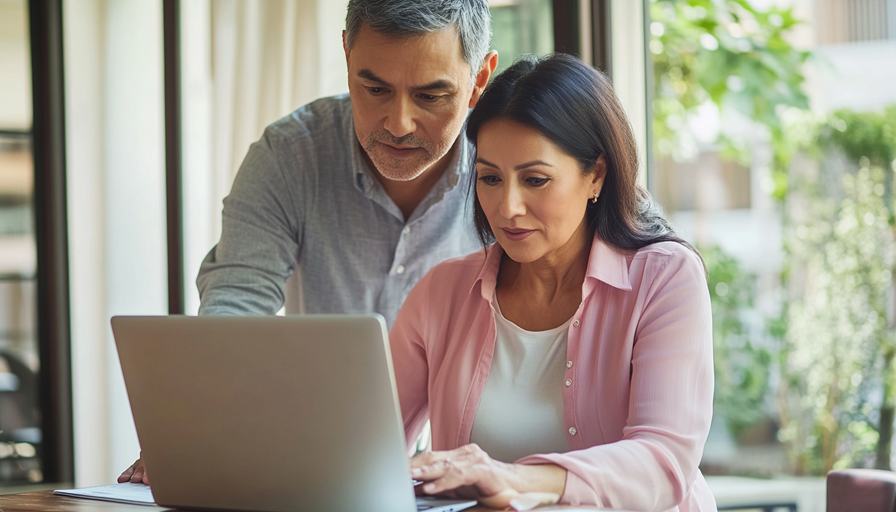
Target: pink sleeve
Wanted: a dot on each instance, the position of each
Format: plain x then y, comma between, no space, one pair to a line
409,360
654,466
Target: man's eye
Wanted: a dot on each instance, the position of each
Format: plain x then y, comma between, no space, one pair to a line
489,180
429,98
376,90
537,182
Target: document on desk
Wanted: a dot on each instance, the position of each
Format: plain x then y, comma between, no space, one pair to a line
131,493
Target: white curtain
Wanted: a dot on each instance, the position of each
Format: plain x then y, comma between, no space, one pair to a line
262,60
115,159
245,64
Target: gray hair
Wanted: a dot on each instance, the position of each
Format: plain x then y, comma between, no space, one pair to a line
401,18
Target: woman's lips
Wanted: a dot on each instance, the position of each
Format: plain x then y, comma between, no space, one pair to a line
517,235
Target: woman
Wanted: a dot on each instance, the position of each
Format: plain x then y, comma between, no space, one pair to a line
573,356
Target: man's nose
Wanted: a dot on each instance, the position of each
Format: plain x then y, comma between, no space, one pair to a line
400,118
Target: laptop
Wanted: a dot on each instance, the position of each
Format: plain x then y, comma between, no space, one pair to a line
269,413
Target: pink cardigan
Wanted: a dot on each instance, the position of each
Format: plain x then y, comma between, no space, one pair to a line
639,356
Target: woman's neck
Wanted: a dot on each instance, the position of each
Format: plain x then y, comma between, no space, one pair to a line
543,294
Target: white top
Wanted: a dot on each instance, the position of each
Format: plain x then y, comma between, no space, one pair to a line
521,409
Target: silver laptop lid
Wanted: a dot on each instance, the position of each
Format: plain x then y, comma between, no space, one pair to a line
267,413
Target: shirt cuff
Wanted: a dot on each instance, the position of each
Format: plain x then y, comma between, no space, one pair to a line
576,492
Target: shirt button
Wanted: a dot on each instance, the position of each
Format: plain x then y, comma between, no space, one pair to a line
406,230
399,269
569,364
572,431
575,324
568,382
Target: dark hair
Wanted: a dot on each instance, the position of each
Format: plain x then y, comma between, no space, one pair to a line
574,106
402,18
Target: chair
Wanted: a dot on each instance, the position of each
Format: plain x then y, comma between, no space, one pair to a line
861,490
18,406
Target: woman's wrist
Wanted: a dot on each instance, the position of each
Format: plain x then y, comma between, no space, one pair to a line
549,478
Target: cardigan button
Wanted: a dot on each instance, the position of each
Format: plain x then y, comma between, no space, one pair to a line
569,364
572,431
575,323
568,382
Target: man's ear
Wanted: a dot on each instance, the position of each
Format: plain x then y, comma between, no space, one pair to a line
489,64
345,47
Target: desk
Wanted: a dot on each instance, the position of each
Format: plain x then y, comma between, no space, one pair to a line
49,502
46,501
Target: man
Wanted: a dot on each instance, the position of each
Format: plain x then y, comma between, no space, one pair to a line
361,195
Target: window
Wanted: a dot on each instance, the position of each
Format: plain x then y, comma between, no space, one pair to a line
845,21
773,151
20,432
521,27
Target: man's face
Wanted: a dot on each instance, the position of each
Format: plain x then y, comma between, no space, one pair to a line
410,97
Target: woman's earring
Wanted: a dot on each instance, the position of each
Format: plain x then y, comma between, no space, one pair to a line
596,195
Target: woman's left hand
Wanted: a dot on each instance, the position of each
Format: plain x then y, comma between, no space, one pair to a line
468,472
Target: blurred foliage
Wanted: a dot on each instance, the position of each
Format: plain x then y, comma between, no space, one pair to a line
841,255
870,135
735,56
836,400
741,369
521,27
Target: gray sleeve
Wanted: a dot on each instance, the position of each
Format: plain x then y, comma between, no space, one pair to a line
246,273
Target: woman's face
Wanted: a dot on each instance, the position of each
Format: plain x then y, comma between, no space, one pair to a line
533,194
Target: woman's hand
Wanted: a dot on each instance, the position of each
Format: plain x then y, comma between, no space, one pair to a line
136,473
468,472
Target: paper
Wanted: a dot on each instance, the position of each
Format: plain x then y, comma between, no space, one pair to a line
531,500
131,493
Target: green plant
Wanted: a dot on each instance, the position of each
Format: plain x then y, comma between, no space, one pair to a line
867,141
837,397
870,135
734,56
837,340
741,367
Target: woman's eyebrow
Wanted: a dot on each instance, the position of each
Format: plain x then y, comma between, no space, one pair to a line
533,163
520,167
486,162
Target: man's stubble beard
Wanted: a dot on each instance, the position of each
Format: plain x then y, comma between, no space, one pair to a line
399,169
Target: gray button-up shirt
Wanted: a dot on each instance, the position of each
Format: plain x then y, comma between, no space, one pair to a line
305,200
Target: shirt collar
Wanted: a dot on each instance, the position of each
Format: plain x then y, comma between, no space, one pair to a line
605,263
362,174
608,264
488,274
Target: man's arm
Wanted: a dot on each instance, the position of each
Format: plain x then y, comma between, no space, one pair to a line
246,273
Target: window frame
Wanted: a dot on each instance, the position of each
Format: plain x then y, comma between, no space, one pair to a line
51,238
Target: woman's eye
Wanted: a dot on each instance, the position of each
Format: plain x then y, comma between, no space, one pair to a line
536,182
489,180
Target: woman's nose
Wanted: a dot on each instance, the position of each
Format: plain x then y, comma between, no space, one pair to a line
512,204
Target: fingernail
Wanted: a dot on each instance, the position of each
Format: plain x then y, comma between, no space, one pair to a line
415,472
429,487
